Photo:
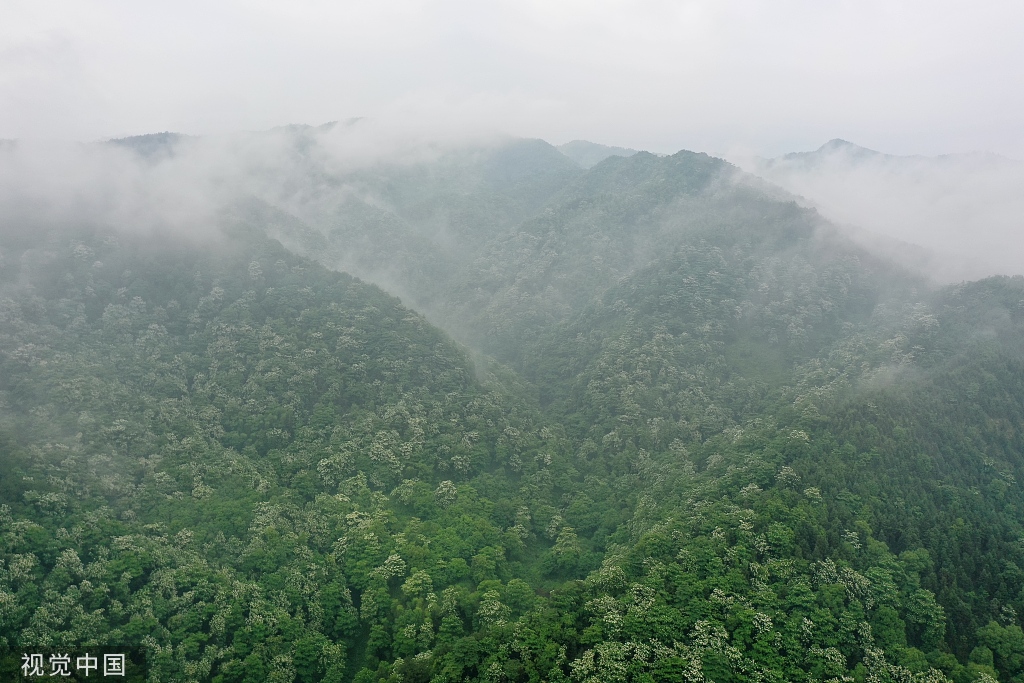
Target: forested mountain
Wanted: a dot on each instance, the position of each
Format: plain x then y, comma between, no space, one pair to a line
689,431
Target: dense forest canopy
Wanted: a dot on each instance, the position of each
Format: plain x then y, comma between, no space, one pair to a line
648,420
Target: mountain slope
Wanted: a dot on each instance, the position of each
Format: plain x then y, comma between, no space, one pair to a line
656,303
704,436
191,429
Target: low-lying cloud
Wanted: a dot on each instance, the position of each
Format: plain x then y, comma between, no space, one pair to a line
179,185
965,210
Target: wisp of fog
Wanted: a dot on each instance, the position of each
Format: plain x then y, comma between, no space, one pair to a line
965,210
953,217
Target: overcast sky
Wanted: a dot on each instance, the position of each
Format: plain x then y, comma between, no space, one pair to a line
763,77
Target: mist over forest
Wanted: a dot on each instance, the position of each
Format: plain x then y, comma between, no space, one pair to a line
965,209
377,401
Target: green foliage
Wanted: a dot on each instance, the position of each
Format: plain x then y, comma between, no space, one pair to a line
717,442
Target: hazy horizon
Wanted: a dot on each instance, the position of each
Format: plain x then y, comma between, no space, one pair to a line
741,80
741,77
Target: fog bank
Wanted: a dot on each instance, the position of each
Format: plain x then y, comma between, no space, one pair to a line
965,210
178,185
